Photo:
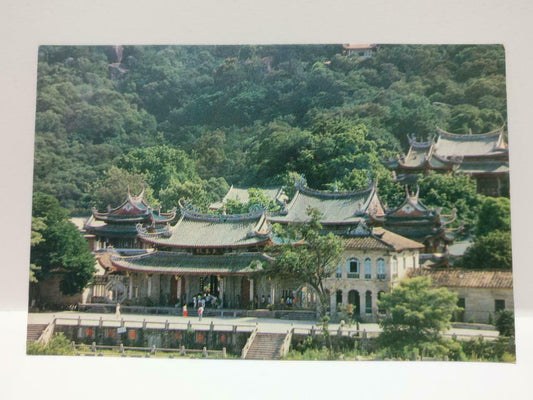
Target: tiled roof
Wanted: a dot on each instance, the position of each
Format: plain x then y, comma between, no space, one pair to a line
185,263
470,278
217,231
451,144
336,207
488,166
382,239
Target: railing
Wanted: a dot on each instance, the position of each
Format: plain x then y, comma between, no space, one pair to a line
353,275
46,335
144,324
286,343
148,350
249,342
354,332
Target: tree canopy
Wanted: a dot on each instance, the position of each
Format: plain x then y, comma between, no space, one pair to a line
62,250
417,315
251,114
307,256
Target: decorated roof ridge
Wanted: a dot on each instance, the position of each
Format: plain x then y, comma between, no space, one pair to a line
162,232
412,139
335,194
470,136
447,219
191,212
413,199
245,254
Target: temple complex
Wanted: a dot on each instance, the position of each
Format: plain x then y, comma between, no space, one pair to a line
485,157
223,256
117,226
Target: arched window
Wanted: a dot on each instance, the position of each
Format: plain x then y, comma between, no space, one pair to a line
368,302
353,268
381,310
394,268
381,269
368,269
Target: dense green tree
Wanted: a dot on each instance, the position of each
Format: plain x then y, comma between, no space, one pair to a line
505,322
311,261
453,191
37,226
63,250
494,215
490,251
160,165
417,315
250,114
111,189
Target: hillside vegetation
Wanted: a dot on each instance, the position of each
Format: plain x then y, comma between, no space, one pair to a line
188,121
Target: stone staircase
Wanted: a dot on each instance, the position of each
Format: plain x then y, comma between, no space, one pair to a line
266,346
34,332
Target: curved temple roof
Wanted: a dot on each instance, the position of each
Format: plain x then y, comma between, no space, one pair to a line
337,208
184,263
195,230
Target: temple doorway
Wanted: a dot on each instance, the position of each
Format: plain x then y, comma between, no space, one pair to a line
245,292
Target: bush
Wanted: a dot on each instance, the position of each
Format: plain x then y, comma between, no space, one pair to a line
505,322
59,345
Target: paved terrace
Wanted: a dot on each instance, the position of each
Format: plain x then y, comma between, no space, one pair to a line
222,323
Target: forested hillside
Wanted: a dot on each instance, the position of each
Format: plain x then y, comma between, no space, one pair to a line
188,121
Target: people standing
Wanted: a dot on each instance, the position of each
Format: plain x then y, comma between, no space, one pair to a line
185,312
194,301
117,311
200,313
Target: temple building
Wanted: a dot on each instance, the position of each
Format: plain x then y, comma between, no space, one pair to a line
414,220
117,226
220,255
341,211
485,157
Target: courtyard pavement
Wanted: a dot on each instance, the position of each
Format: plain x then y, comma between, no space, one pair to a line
264,324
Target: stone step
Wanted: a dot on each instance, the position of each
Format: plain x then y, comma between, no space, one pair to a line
34,332
266,346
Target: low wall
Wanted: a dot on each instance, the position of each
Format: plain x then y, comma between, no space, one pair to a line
147,337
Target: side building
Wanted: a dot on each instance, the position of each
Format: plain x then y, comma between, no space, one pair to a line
485,157
117,226
481,293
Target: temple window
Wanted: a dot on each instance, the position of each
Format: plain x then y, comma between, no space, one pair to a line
368,269
353,268
381,269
